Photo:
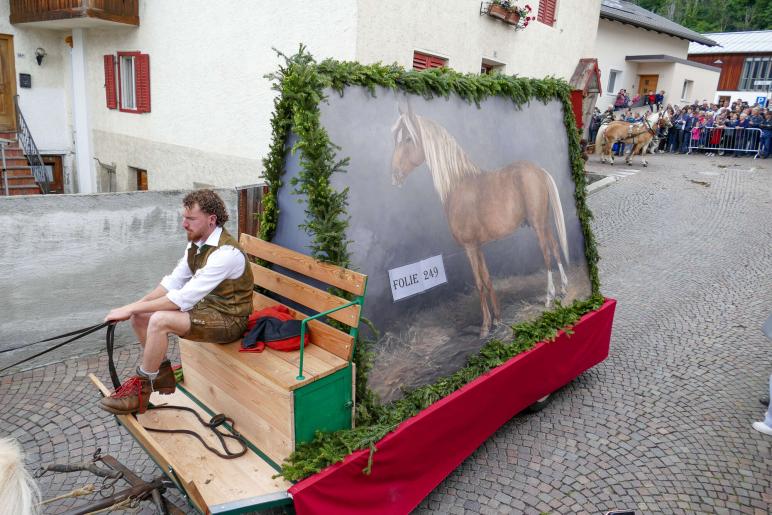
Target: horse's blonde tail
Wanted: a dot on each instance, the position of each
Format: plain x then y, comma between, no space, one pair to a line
557,213
600,139
19,494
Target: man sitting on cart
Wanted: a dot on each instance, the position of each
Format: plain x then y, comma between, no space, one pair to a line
207,298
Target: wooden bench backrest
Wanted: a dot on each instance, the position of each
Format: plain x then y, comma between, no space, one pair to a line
321,334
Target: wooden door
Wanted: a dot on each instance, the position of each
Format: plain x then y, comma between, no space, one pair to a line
54,163
7,84
141,179
647,83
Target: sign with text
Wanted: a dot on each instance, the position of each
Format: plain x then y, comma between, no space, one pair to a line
762,101
415,278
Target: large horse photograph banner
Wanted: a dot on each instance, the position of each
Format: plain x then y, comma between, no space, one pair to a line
462,214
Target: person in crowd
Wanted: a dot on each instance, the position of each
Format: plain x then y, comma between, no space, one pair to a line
608,115
766,135
765,426
679,123
710,136
595,121
689,120
622,100
730,132
672,137
719,135
663,133
651,99
740,137
660,99
754,122
696,133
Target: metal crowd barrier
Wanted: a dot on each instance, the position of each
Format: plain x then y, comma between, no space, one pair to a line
725,139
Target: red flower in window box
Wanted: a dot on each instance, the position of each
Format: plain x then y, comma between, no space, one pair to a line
509,12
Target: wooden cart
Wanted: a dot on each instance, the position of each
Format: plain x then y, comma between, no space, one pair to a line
277,399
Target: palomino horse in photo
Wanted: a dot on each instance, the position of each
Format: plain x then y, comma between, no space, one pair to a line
638,135
482,206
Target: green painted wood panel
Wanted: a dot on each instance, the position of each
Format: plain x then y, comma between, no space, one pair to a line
324,405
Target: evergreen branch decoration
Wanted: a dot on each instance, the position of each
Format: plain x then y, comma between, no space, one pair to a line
301,84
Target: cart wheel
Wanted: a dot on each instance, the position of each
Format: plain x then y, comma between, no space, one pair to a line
539,404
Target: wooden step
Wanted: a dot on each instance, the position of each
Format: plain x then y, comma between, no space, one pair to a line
18,172
22,180
9,135
21,190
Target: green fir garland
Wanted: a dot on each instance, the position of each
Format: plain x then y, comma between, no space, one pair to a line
301,82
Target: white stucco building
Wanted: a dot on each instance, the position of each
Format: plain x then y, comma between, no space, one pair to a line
640,51
191,104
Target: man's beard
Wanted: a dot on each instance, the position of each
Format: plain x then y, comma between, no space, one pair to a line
192,236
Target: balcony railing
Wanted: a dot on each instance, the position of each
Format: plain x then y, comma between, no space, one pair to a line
117,11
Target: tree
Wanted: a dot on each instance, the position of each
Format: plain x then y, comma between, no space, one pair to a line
714,15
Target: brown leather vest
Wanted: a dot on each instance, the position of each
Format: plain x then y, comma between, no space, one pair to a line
232,296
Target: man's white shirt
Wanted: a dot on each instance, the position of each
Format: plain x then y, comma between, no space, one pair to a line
186,290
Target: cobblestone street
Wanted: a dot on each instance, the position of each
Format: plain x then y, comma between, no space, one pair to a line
662,426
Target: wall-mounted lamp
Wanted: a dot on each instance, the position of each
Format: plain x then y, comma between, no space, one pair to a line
40,53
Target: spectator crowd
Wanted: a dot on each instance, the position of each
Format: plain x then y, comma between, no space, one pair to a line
738,129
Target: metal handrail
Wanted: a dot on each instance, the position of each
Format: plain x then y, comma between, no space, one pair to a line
3,143
356,302
42,174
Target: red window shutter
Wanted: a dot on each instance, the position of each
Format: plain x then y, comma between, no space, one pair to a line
420,61
112,100
547,10
423,61
436,62
142,78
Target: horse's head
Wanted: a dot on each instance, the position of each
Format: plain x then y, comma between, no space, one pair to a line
408,148
664,119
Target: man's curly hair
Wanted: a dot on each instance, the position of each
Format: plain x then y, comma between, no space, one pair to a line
209,202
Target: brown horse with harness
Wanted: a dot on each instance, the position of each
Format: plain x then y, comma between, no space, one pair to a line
638,134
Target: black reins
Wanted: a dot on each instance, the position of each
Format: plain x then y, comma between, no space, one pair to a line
213,423
76,335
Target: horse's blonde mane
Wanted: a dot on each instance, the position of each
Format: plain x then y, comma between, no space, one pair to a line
446,160
18,492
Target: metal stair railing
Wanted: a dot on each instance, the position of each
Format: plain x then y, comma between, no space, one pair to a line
3,143
43,176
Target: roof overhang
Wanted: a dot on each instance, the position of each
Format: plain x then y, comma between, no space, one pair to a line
622,17
662,58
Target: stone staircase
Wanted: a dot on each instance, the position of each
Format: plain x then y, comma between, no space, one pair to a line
20,178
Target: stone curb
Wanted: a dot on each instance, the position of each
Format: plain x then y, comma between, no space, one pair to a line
603,183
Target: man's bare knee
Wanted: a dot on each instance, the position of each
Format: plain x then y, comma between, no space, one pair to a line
140,320
168,322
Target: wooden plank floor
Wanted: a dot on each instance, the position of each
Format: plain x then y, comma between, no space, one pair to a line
219,480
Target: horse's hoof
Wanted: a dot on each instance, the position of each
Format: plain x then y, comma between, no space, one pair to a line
484,332
645,165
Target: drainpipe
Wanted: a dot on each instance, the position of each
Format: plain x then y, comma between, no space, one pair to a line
84,164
